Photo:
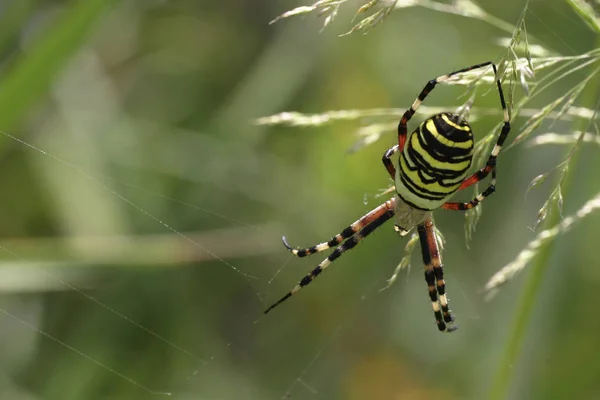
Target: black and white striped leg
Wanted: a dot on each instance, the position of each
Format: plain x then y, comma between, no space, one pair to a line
384,212
434,276
345,234
387,161
473,203
490,165
429,86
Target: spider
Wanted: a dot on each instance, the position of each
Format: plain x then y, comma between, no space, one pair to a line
433,164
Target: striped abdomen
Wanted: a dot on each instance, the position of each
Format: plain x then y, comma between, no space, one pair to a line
434,162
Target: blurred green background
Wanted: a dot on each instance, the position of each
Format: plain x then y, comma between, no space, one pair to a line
141,243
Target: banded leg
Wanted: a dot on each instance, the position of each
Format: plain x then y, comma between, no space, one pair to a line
434,276
387,161
490,165
385,212
402,129
478,199
356,226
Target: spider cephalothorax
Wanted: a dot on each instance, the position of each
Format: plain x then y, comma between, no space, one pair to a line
433,163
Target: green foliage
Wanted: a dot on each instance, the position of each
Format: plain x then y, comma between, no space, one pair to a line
150,170
48,51
521,70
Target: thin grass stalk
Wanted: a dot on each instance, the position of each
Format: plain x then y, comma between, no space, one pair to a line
502,382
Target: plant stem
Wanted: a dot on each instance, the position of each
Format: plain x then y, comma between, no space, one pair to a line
501,385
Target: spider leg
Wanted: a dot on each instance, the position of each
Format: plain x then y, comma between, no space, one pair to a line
380,215
356,226
387,161
434,276
429,86
478,199
490,165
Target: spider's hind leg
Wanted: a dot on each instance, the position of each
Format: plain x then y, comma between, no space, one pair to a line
490,165
387,160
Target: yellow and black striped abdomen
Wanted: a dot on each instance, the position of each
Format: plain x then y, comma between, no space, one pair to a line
435,160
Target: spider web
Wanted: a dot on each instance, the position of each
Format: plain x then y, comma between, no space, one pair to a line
340,337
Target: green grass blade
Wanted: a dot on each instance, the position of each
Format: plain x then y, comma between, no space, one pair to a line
32,74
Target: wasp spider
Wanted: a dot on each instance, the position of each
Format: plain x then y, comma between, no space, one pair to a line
433,163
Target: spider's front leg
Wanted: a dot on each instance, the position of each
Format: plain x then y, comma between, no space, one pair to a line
346,233
434,276
363,227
